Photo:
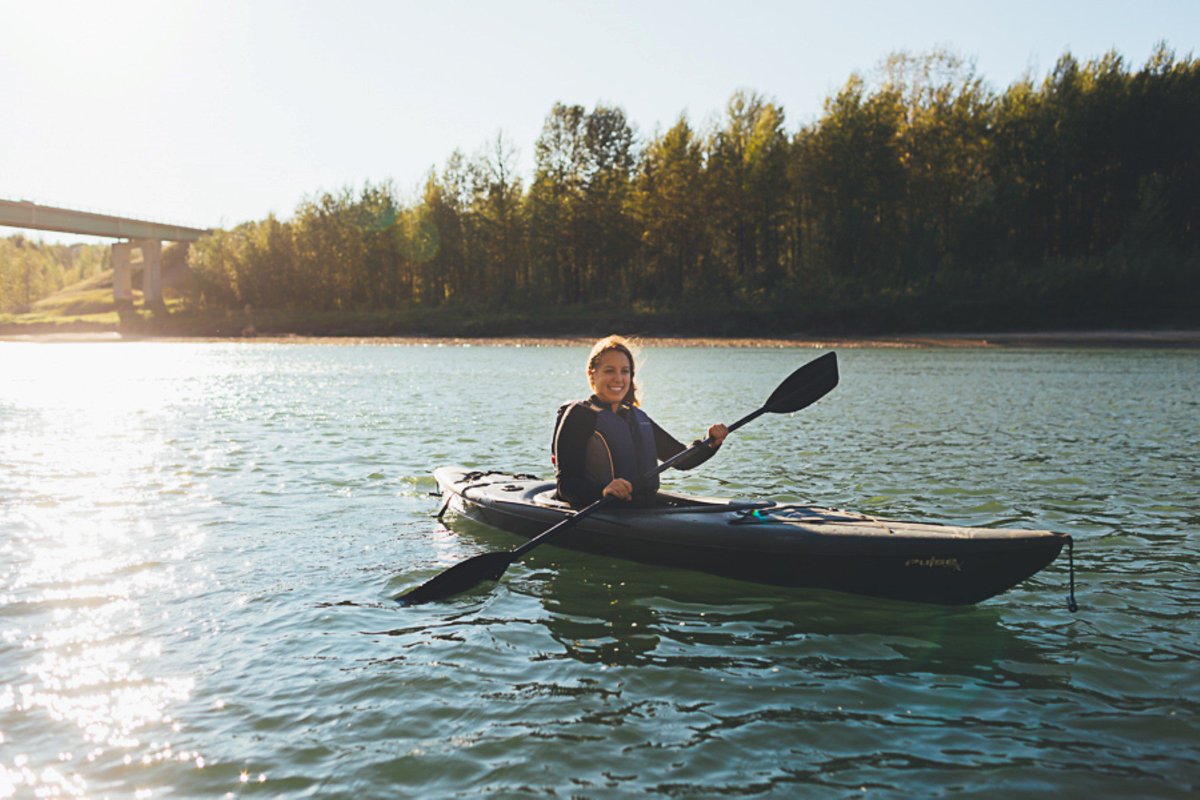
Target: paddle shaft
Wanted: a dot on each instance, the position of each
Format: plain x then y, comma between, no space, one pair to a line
596,505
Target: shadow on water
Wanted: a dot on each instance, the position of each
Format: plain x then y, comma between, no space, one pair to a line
610,612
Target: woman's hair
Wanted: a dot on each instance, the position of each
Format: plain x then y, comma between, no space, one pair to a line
621,345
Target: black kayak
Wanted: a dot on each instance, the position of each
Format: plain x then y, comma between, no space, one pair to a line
769,543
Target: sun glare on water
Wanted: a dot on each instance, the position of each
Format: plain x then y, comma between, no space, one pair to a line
83,570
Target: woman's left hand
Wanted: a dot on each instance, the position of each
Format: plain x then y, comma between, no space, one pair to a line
717,433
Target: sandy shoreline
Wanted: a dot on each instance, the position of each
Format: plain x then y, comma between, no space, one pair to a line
1028,339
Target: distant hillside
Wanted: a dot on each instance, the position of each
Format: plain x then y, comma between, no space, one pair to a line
31,269
89,302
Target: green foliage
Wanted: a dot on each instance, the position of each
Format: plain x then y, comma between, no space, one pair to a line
919,198
32,270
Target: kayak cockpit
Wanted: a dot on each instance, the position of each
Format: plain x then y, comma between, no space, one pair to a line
543,496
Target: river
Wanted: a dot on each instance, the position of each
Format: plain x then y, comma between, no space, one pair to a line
199,543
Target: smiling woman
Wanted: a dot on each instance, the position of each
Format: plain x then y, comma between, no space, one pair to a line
606,445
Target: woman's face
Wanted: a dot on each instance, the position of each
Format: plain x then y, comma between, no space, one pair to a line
611,377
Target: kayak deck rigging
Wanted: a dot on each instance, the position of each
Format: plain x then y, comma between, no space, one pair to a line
769,543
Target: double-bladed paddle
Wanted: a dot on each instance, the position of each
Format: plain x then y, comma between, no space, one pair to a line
799,390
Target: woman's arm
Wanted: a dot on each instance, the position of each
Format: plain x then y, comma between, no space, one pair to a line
667,446
570,455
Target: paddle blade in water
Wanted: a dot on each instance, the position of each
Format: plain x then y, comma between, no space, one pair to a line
805,386
459,578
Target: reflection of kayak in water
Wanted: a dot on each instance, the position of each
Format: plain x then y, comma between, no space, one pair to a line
764,542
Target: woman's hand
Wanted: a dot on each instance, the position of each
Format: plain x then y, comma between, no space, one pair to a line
620,489
717,433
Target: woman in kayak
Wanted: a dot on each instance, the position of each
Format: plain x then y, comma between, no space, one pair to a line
606,445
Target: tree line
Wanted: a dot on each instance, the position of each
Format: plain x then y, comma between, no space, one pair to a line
30,270
919,197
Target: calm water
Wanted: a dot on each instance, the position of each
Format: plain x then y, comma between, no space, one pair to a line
198,543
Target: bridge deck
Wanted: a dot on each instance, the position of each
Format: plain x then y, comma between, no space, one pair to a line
24,214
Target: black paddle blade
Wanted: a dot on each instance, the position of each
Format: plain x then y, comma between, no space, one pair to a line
459,578
805,386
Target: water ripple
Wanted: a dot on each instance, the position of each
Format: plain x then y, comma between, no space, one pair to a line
199,545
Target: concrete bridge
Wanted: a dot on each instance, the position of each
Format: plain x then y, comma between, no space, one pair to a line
136,234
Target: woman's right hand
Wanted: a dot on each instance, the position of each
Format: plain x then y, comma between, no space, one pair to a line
620,489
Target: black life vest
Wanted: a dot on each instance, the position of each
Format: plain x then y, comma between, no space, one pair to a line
621,446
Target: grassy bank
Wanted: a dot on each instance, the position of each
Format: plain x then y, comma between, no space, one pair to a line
547,329
1007,310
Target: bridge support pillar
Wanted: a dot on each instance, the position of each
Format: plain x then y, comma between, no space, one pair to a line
152,296
122,277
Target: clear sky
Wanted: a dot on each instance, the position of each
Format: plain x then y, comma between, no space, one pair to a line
215,112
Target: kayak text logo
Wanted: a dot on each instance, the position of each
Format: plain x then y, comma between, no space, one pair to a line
932,561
